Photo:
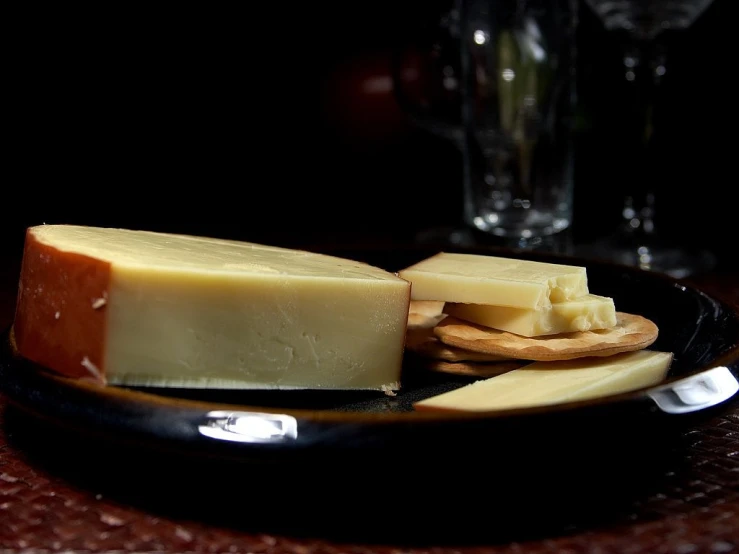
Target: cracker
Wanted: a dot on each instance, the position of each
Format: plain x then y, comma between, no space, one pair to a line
631,332
482,370
425,314
423,342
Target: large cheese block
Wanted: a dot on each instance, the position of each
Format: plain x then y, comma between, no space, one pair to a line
586,313
481,279
144,308
546,383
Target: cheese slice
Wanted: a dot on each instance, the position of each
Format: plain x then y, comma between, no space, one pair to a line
586,313
144,308
547,383
480,279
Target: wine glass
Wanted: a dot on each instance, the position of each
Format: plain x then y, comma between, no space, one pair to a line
642,26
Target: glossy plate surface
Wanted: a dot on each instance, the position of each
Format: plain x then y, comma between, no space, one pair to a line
702,332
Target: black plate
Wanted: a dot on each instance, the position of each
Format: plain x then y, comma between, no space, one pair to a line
701,331
365,467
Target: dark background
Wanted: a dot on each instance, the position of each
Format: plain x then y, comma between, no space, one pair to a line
254,123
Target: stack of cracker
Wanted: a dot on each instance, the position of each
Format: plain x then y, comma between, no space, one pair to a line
486,316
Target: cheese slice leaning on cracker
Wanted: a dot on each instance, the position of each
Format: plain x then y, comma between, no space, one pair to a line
547,383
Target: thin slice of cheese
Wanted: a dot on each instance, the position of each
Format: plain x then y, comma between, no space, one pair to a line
547,383
586,313
145,308
480,279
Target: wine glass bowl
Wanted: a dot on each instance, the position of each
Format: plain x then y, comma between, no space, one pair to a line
645,19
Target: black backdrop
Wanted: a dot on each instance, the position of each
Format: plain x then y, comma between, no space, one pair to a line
255,123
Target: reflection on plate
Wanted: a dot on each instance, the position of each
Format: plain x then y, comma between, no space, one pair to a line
700,331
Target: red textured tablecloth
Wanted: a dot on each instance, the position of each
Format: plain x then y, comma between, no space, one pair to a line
695,509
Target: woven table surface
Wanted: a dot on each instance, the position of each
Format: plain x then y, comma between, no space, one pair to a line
695,508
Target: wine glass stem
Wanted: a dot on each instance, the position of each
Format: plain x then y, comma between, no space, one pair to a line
644,68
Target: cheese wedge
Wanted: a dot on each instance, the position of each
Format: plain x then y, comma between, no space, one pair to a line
586,313
480,279
546,383
143,308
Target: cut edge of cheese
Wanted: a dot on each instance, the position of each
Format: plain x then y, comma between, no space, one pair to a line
586,313
143,380
337,324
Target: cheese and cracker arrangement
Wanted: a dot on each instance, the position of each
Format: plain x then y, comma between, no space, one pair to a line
547,340
144,308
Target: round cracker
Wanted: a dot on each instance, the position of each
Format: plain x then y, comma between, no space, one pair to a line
631,332
482,370
423,342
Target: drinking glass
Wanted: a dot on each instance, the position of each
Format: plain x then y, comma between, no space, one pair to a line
641,27
498,80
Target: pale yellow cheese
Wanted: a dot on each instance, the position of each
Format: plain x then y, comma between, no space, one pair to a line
184,311
547,383
480,279
586,313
